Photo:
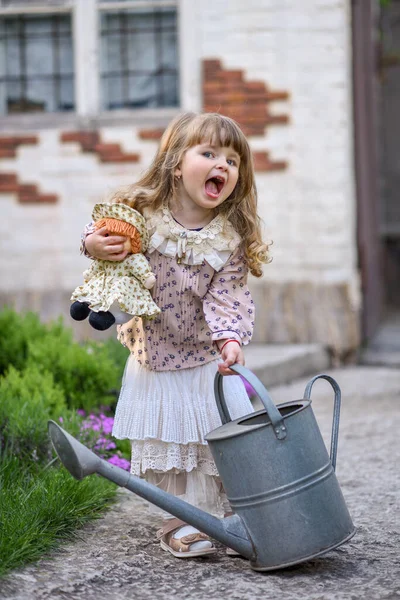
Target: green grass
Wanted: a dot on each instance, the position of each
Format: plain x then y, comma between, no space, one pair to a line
42,507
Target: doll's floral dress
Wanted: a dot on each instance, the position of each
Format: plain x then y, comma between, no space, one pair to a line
107,282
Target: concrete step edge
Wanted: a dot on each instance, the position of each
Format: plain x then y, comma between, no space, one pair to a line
278,364
380,358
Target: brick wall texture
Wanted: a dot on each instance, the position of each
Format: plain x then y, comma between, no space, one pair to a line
90,141
227,91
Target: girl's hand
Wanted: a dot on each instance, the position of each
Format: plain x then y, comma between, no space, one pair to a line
231,353
103,246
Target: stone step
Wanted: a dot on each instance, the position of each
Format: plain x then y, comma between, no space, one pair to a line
380,358
384,348
279,364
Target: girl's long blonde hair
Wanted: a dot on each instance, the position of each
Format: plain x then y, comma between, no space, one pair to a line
158,183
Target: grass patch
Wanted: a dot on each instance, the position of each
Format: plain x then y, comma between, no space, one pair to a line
39,509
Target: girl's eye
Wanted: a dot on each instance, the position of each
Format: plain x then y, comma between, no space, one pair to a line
231,162
208,154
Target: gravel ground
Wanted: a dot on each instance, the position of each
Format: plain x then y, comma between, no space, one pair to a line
117,558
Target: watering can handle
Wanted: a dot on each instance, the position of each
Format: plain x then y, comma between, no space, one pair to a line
273,413
336,412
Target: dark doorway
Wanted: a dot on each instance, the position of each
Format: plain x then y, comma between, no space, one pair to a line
376,78
365,29
389,26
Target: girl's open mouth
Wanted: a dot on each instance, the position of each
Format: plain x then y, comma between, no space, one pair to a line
214,186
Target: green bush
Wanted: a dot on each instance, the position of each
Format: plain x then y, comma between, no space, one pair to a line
85,373
117,353
17,330
28,399
112,350
89,374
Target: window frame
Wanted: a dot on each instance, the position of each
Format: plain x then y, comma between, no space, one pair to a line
85,16
117,8
23,40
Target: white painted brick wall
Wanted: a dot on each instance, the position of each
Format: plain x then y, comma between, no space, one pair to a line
304,48
308,210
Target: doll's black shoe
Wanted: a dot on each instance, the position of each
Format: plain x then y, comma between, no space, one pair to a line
79,310
101,320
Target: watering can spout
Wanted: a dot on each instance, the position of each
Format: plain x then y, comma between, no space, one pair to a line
75,457
80,462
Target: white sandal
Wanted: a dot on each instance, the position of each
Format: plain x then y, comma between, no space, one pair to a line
180,547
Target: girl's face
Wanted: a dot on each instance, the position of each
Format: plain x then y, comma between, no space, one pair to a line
209,174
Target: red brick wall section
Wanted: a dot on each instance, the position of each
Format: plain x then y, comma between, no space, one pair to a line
227,92
90,142
262,162
9,144
247,102
27,193
151,134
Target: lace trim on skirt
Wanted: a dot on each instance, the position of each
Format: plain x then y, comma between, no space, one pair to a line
166,456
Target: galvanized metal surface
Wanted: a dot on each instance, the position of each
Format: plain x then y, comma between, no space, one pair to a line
279,478
336,413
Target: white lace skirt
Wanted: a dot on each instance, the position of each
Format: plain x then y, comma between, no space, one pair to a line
166,415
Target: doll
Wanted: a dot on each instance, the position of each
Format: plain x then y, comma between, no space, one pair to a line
114,292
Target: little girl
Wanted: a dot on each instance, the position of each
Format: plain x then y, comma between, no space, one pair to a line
200,203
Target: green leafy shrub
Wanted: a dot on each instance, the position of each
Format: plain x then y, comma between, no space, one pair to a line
17,330
112,350
85,372
90,374
28,399
117,353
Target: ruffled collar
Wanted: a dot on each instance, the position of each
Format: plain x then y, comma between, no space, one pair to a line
213,244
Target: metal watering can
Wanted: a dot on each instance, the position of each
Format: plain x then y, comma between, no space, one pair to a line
275,470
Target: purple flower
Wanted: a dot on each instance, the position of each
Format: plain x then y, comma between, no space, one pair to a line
104,444
95,432
122,463
107,423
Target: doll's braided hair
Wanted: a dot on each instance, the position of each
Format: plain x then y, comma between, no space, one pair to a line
122,228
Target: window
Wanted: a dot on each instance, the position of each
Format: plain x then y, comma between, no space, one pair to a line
138,58
87,56
36,63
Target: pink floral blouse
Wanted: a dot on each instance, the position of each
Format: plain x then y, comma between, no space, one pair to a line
200,302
